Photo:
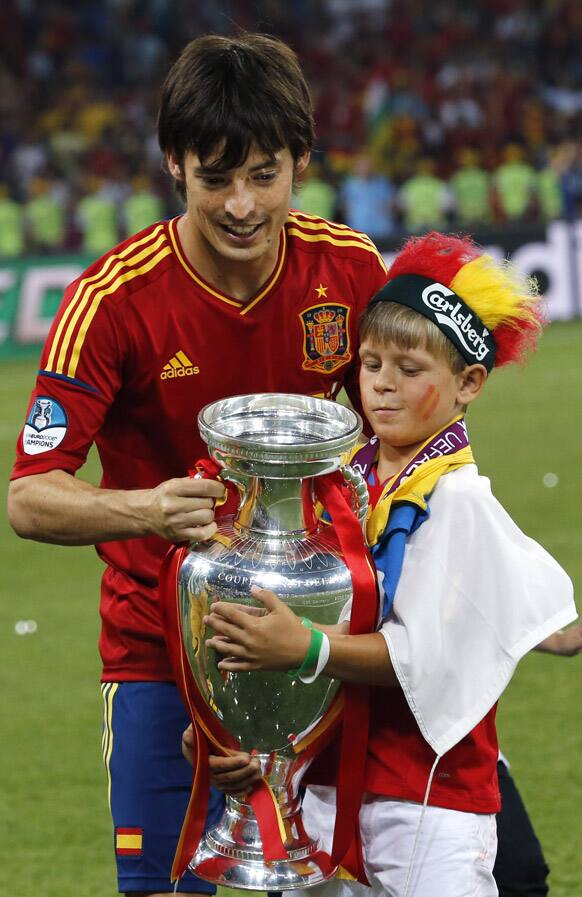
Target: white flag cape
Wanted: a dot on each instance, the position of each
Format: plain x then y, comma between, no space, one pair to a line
475,595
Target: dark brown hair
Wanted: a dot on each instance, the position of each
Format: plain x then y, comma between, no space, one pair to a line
224,94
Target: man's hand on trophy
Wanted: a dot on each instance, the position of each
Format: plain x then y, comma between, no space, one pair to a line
182,509
275,640
233,775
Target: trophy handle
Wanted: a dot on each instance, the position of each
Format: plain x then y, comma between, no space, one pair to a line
240,480
360,497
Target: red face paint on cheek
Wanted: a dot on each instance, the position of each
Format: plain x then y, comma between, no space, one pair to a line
428,402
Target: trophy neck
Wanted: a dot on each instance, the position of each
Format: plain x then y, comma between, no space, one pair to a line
272,507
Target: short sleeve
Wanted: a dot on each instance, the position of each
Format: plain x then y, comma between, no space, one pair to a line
79,377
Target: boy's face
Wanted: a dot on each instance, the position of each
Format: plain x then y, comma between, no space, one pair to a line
408,394
238,214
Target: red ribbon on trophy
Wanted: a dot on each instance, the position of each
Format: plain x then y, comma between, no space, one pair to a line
346,850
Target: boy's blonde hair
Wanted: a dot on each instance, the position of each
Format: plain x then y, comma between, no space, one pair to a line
388,322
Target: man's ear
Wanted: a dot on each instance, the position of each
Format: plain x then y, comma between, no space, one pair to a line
301,164
472,379
298,168
174,167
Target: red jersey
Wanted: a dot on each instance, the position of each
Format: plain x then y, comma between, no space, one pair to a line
141,343
399,759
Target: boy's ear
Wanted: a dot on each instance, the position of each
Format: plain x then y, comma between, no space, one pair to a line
472,379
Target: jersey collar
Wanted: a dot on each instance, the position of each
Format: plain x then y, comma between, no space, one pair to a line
243,307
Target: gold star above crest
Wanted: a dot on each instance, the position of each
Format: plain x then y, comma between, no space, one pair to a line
321,291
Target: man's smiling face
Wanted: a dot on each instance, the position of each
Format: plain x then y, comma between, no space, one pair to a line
238,213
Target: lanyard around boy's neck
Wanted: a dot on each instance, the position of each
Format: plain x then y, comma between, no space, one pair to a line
445,450
449,440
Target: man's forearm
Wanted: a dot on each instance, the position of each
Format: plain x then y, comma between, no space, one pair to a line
58,508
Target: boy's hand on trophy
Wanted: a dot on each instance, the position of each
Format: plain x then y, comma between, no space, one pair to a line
182,509
250,609
274,641
234,775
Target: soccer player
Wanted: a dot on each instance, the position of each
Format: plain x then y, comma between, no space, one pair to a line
237,295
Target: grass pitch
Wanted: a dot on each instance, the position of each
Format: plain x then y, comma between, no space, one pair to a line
54,823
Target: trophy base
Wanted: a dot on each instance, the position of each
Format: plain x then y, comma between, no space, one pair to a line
230,854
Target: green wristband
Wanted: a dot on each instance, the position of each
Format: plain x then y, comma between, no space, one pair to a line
309,664
308,625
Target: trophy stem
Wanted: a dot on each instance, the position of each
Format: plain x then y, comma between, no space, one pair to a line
231,853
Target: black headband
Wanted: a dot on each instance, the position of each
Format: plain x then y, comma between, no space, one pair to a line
449,312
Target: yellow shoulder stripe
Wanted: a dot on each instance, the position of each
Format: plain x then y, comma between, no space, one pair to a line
88,286
313,221
130,274
328,238
88,281
320,224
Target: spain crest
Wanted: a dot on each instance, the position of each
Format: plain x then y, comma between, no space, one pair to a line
326,345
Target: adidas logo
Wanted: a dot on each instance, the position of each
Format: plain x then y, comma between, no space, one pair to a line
179,366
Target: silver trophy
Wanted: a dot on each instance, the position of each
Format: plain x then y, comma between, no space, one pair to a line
271,445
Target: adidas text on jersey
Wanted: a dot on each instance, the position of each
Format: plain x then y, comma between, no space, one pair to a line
179,366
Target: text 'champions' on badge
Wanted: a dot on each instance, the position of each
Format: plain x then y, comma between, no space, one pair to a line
45,427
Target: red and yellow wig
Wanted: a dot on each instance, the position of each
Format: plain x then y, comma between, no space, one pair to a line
507,302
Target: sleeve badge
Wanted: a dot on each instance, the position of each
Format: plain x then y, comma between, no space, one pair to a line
45,427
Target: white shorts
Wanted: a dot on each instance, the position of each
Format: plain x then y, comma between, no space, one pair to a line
454,854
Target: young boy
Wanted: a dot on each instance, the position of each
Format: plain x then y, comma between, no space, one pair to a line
465,593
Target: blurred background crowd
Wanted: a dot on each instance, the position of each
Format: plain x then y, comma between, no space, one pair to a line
429,114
